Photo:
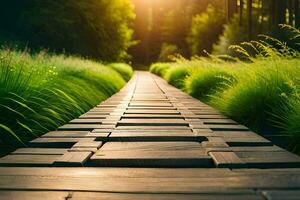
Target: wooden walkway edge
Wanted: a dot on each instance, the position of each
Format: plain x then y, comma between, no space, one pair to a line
150,141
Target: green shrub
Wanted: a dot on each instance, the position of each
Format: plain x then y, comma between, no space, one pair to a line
206,81
38,93
123,69
260,92
290,118
160,68
176,75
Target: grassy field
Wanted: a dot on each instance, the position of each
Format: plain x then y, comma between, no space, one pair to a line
40,92
260,91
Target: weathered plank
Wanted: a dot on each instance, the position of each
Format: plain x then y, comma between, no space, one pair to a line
74,159
28,160
39,151
226,159
65,134
281,194
151,159
153,122
34,195
79,127
57,142
155,136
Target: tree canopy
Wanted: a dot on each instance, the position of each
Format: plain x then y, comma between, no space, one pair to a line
91,28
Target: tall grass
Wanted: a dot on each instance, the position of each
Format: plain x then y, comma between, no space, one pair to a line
160,68
123,69
259,86
40,92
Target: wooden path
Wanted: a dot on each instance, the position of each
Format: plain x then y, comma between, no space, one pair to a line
150,141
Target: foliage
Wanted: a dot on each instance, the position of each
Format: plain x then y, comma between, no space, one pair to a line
93,28
166,51
233,34
262,93
206,81
177,74
159,68
205,30
263,87
40,92
123,69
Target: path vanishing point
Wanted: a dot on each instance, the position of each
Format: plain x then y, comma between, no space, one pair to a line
150,141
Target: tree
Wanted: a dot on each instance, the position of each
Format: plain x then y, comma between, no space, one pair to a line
231,7
91,28
205,30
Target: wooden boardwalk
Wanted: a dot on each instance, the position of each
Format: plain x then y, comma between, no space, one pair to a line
150,141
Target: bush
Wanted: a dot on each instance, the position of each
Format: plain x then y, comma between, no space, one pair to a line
123,69
177,74
160,68
206,81
38,93
289,121
260,92
205,30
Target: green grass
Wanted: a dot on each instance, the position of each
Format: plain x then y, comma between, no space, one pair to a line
258,85
177,74
159,68
123,69
38,93
208,80
263,94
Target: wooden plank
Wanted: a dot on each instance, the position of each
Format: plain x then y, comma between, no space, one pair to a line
66,134
150,108
100,136
150,159
257,149
142,104
34,195
151,154
211,116
28,160
277,159
111,172
86,121
87,144
227,127
230,195
153,116
218,121
136,111
57,142
281,194
150,185
226,159
151,146
79,127
153,122
243,138
155,136
75,159
84,116
169,128
39,151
